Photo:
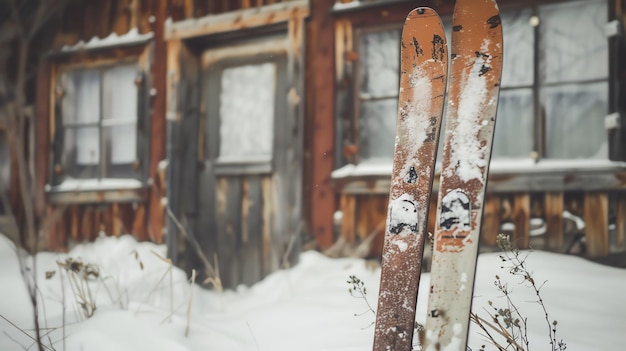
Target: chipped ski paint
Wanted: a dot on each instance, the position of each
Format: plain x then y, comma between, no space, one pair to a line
422,87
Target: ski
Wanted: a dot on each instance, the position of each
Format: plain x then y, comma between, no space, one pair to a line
475,71
423,67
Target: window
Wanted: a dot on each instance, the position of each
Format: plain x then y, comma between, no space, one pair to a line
554,92
245,127
378,92
247,91
99,110
574,78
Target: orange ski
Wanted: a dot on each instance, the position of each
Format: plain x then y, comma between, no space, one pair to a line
424,62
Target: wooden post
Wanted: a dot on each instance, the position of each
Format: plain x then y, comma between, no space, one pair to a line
521,219
348,207
321,122
620,222
553,203
160,68
75,219
597,223
491,220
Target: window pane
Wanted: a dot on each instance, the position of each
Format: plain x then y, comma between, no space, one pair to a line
518,48
378,128
573,41
247,111
575,121
379,54
514,126
121,143
81,100
121,150
81,154
120,93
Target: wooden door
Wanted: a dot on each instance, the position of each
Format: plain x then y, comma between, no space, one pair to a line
249,203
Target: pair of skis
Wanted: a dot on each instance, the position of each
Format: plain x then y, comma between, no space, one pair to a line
472,98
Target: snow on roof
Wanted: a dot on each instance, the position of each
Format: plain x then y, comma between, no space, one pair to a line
131,37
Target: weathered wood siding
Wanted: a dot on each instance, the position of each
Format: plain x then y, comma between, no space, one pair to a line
512,211
82,21
515,199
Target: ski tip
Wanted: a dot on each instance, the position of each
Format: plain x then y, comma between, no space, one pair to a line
421,12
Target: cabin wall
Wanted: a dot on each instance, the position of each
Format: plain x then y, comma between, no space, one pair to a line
521,200
329,130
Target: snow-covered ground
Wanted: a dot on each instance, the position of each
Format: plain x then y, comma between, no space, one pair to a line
142,304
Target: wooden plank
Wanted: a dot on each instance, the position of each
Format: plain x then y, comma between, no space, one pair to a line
348,208
134,14
491,220
42,135
597,223
106,220
229,228
236,20
520,215
121,20
244,233
189,8
620,222
138,228
269,256
378,218
117,226
321,122
225,255
57,238
60,232
362,224
251,251
86,223
233,230
74,222
553,208
96,227
127,216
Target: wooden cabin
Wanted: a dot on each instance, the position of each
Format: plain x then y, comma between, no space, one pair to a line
143,124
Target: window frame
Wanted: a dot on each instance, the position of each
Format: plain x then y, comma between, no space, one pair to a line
270,49
101,189
358,99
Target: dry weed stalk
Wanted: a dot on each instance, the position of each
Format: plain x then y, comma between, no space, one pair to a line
79,274
508,323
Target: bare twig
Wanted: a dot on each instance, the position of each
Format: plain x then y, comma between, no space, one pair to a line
211,270
193,281
25,333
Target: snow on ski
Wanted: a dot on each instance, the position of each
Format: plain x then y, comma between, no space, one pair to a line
476,67
424,63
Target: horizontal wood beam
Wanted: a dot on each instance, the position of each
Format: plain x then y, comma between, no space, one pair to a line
236,20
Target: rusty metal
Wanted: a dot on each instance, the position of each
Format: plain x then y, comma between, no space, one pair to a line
424,62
